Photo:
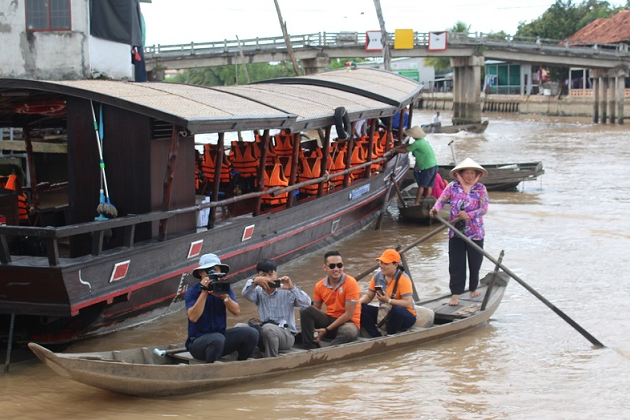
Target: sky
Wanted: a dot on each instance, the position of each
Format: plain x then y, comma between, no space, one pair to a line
183,21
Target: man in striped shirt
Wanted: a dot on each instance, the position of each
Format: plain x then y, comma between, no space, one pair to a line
276,298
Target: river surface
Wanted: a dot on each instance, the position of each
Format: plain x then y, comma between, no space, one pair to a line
566,235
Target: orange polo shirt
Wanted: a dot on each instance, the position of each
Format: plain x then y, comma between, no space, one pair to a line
405,288
335,299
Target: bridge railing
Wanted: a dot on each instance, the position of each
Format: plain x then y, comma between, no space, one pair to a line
357,39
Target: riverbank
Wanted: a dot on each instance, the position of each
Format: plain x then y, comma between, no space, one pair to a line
575,106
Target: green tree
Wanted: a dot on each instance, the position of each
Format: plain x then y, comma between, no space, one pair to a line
231,75
563,19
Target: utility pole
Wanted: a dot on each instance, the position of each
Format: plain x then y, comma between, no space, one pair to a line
240,50
387,60
287,40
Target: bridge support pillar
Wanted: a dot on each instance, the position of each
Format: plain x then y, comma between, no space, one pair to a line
467,89
315,65
609,87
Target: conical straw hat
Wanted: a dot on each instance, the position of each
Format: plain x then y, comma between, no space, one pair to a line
468,163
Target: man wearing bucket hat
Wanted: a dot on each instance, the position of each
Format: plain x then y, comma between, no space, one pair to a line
206,304
426,168
469,202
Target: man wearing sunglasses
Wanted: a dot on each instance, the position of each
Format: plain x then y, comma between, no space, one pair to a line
340,293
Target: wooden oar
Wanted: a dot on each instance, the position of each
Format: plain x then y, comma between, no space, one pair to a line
562,315
403,250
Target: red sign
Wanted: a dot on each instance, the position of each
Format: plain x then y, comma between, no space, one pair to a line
248,232
195,248
120,271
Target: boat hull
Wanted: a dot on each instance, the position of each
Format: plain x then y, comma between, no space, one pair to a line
141,372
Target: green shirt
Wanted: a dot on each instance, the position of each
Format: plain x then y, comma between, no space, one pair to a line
423,152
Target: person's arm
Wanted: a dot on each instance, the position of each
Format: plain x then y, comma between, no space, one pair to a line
403,301
249,291
439,203
350,307
230,302
302,299
367,297
371,292
195,311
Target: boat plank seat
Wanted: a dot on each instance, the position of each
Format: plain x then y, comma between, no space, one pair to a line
465,309
184,356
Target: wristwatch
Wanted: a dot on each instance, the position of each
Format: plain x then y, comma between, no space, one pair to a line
226,299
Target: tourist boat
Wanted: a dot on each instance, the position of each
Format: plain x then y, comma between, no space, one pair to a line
477,128
124,202
170,370
504,176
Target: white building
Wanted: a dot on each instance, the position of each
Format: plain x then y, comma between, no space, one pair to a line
70,39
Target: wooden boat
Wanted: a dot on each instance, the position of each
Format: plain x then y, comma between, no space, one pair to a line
411,213
143,372
452,129
73,272
504,176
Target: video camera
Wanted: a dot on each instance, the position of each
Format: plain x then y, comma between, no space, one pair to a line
217,286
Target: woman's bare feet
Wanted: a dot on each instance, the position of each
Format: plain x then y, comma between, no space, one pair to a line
454,300
475,294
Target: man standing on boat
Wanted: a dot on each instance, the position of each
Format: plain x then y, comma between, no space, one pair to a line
426,168
340,293
206,304
436,121
276,298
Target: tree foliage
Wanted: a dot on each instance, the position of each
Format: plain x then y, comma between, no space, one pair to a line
233,75
563,19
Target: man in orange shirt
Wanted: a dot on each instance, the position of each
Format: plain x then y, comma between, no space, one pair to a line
340,293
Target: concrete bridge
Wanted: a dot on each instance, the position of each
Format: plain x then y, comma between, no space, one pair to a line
609,63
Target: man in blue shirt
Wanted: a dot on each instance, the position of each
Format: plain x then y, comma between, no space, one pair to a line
276,298
208,338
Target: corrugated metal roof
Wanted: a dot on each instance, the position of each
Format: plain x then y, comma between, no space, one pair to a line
305,102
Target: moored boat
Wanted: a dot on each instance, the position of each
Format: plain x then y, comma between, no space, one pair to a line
504,176
170,370
477,128
117,190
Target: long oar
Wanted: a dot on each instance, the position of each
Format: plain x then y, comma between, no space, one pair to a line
562,315
403,250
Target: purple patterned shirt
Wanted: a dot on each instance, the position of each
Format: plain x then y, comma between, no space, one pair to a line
475,204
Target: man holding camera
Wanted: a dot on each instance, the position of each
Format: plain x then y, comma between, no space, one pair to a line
276,298
206,304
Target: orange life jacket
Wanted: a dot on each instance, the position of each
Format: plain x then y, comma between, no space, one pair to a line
283,145
209,156
243,160
276,179
311,168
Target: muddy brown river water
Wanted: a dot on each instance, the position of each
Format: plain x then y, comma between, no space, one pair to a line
567,235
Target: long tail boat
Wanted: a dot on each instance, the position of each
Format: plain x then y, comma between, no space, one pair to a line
167,370
122,201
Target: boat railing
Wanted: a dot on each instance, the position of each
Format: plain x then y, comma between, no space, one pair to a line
98,229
